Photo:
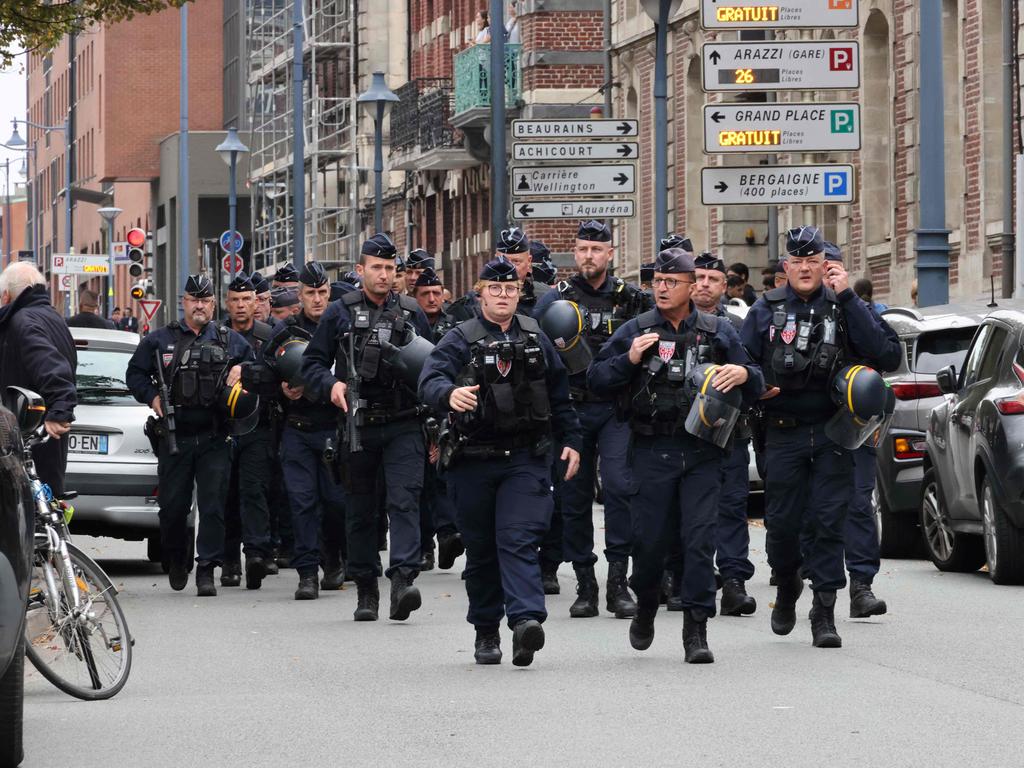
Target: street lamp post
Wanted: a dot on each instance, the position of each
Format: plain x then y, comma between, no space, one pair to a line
229,149
7,207
378,96
109,214
30,191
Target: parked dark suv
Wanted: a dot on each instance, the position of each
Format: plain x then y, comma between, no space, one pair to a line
972,503
932,339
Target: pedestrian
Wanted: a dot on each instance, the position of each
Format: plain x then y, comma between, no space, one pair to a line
742,271
508,394
606,302
38,353
197,357
389,428
865,292
115,318
483,26
656,364
803,334
88,315
129,322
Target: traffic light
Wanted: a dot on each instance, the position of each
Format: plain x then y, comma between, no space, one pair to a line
138,292
136,252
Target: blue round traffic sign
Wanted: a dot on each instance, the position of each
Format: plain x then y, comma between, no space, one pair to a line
225,241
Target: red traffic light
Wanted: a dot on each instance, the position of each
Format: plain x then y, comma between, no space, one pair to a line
136,237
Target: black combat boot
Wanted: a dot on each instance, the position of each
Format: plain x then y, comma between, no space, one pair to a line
487,647
549,577
284,558
735,600
177,573
641,628
527,639
204,581
308,588
695,638
675,598
367,600
405,598
230,574
863,602
823,621
255,570
449,548
270,564
334,571
617,597
787,593
586,593
427,561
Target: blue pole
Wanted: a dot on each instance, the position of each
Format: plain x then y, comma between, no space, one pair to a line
184,201
499,172
661,124
232,212
298,143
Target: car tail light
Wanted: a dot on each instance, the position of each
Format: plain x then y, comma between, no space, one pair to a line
909,390
1018,371
1008,406
909,447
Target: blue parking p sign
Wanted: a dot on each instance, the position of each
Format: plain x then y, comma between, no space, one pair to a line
837,184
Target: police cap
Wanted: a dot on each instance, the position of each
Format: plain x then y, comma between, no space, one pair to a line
199,287
674,261
241,284
286,274
399,265
259,283
804,241
595,231
379,245
708,260
538,251
832,252
672,240
283,297
499,270
512,240
313,274
352,278
427,277
419,259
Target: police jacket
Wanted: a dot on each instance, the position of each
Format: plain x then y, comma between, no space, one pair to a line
466,307
323,362
801,343
607,308
90,320
257,375
192,379
450,364
38,353
655,394
440,325
310,409
531,295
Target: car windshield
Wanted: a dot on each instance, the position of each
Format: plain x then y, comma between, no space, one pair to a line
937,349
100,377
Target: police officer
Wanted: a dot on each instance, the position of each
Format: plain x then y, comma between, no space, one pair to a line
400,284
418,260
286,277
607,303
507,391
802,334
198,359
284,302
317,501
246,515
388,423
651,363
262,289
732,535
542,267
515,245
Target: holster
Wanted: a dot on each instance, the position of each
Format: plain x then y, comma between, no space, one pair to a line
152,432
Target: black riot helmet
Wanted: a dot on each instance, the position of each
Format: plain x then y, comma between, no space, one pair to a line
407,360
563,322
713,413
240,407
865,402
288,361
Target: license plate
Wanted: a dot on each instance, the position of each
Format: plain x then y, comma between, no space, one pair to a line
78,443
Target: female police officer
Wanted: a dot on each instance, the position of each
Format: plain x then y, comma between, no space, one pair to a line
650,363
507,389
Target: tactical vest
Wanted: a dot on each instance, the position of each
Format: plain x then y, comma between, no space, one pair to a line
444,324
658,398
259,377
605,312
805,348
374,328
198,367
513,407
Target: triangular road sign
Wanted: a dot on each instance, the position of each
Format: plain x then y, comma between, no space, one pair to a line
149,307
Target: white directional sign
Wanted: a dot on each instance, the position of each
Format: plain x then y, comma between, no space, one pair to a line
574,209
575,150
561,180
574,129
777,127
777,14
777,185
80,264
784,66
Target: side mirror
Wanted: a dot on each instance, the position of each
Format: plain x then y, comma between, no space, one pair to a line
947,380
27,407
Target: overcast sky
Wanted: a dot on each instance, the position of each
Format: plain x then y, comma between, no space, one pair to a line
12,105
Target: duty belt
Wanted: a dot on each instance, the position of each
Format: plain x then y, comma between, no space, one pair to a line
536,445
785,422
579,395
376,415
305,425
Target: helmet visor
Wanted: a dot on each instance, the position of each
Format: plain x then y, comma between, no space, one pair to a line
711,418
851,432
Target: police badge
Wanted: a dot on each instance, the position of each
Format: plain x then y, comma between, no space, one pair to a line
666,350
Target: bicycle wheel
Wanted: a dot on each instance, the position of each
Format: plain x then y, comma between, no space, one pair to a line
88,656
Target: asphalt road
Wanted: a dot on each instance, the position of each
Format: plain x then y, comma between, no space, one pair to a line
255,678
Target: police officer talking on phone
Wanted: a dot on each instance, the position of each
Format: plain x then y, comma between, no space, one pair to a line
802,334
507,393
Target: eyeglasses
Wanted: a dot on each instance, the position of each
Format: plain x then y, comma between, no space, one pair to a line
497,289
669,282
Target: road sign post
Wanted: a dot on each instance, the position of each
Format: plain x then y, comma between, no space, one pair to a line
225,264
80,264
778,185
778,127
149,307
225,241
575,150
575,209
560,180
789,65
574,129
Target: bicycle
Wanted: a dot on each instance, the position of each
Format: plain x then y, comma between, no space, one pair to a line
75,631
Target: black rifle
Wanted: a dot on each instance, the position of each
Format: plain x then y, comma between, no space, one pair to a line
166,427
354,416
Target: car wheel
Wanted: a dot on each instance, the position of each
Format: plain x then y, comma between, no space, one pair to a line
949,550
898,535
12,708
1004,542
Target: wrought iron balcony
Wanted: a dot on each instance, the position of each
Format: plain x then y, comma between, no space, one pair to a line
422,135
473,80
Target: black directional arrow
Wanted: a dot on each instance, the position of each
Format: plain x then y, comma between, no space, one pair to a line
625,150
717,117
721,186
623,128
621,179
525,210
715,57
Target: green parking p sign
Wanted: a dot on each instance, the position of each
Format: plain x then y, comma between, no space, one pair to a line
842,121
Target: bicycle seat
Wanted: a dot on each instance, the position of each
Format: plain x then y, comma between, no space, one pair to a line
68,496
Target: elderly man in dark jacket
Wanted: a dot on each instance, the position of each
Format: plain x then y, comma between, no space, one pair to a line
38,353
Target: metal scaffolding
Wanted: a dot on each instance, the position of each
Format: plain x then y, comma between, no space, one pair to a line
329,124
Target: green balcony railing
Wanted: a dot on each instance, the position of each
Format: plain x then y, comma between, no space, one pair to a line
473,77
